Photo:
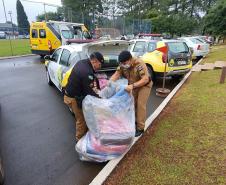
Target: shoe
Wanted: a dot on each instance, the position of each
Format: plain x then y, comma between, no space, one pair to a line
76,141
139,132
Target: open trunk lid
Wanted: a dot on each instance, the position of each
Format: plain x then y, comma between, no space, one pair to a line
110,50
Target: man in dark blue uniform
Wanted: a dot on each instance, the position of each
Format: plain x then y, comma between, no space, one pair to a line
82,82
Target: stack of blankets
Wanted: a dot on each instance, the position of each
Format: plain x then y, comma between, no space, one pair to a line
111,123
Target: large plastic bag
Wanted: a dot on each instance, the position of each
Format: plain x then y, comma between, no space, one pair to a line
111,124
112,88
111,120
90,149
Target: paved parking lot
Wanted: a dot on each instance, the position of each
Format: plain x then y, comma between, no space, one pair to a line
37,130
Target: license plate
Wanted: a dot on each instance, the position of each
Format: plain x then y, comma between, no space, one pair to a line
181,62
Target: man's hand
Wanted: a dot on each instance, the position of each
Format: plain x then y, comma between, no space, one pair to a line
129,88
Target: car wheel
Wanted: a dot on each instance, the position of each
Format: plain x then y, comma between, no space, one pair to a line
48,78
1,173
151,73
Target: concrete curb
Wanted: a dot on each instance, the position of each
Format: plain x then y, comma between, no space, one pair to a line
18,56
110,166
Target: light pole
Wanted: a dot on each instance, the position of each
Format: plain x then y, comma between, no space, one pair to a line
44,4
4,10
10,13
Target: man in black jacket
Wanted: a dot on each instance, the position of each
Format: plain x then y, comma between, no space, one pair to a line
82,82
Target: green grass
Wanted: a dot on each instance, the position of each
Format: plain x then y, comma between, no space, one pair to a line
19,47
217,53
187,143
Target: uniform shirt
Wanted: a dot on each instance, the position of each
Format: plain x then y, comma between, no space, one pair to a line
82,80
135,73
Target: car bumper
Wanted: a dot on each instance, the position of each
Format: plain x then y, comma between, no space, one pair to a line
174,73
41,52
201,53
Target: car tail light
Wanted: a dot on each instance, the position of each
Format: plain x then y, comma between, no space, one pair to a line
199,47
49,45
164,58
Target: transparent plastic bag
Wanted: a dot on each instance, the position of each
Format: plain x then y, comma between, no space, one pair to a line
111,120
90,149
111,124
112,88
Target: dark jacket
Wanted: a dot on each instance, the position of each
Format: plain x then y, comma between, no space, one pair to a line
82,81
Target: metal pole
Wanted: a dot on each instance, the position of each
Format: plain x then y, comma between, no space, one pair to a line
71,14
4,10
164,77
45,11
10,13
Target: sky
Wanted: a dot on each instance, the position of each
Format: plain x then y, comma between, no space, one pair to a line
30,8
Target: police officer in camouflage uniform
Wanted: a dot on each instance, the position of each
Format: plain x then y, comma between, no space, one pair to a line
82,82
139,83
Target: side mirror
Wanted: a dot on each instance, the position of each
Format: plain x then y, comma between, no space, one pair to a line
48,57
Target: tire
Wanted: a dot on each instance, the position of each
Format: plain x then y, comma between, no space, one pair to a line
42,56
151,73
1,173
48,78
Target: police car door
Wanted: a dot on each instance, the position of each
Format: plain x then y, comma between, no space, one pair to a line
53,65
63,67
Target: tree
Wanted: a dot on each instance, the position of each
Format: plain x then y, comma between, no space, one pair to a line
22,20
83,10
54,16
215,20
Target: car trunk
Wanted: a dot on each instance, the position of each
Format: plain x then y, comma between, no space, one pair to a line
178,54
110,50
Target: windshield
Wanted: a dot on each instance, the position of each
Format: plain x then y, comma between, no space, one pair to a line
74,32
67,34
178,47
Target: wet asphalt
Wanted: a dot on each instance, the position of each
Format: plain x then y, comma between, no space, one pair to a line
37,130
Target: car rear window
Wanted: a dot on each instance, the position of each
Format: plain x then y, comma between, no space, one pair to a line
42,33
34,33
139,46
196,41
199,39
178,47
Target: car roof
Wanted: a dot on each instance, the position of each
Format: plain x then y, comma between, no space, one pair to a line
79,47
144,40
171,40
73,47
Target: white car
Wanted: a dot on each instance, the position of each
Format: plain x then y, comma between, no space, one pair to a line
200,48
59,64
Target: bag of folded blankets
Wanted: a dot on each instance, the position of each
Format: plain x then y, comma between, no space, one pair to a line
111,123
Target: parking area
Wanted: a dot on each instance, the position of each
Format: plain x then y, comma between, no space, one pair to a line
37,130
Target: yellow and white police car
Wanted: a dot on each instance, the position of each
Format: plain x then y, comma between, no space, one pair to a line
60,63
174,56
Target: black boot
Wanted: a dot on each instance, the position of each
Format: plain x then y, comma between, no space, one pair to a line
139,132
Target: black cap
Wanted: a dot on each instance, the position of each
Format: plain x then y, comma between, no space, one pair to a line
124,56
98,56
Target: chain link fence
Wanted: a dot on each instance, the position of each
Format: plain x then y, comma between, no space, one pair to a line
15,40
120,26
